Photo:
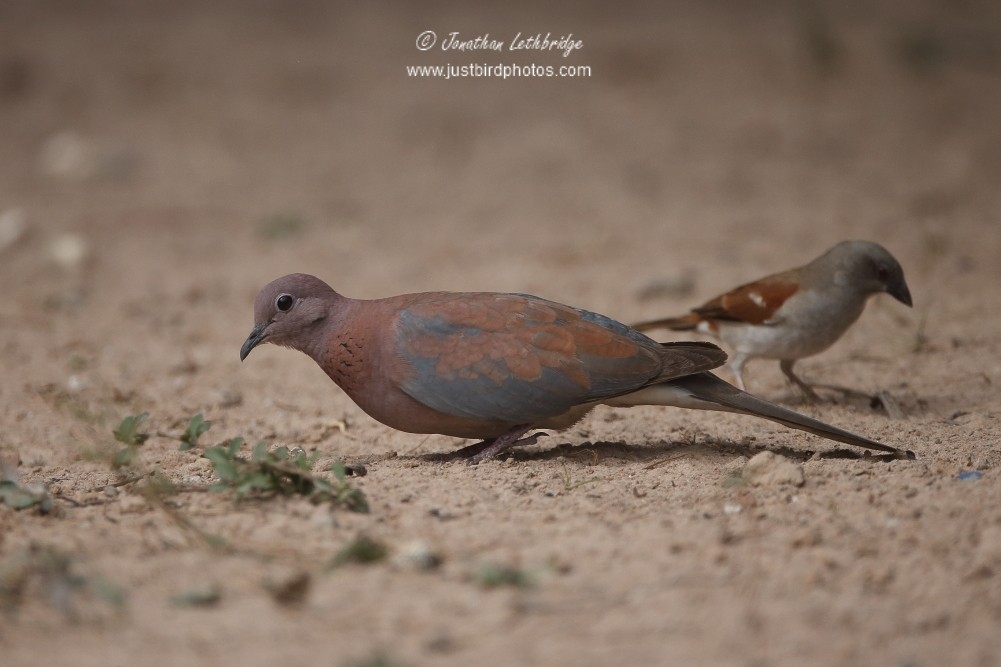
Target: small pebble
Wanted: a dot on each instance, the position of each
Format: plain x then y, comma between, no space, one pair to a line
355,470
13,226
111,491
769,469
67,155
132,504
732,508
69,251
76,383
418,555
288,587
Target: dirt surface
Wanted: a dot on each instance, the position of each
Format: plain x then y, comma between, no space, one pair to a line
162,161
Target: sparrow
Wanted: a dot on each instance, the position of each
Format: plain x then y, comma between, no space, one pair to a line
796,313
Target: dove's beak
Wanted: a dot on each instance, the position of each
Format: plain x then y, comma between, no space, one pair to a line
255,338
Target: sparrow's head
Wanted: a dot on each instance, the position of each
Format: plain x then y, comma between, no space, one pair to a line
289,311
870,268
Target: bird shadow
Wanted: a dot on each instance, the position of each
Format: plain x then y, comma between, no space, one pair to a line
896,404
880,402
596,452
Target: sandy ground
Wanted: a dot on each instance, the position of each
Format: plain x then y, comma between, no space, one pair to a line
162,161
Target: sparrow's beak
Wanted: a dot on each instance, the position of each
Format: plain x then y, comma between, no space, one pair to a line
901,293
255,338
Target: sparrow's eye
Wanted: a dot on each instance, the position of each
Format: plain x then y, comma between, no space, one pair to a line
882,272
284,302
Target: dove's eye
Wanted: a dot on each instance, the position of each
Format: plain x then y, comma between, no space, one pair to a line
284,302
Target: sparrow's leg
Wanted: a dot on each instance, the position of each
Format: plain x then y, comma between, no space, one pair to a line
737,362
786,366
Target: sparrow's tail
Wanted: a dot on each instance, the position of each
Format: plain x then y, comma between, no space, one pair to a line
684,323
708,392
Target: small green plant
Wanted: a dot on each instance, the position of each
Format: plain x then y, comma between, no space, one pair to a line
17,494
362,550
200,596
128,433
568,482
280,472
196,427
60,575
22,496
492,575
343,494
152,484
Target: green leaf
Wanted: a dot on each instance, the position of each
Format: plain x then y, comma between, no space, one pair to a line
233,445
260,452
22,497
280,472
222,463
362,550
124,458
128,431
492,575
303,462
108,591
355,501
196,427
243,488
217,541
343,493
260,479
206,596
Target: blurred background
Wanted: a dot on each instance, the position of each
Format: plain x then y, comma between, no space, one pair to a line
710,138
163,160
